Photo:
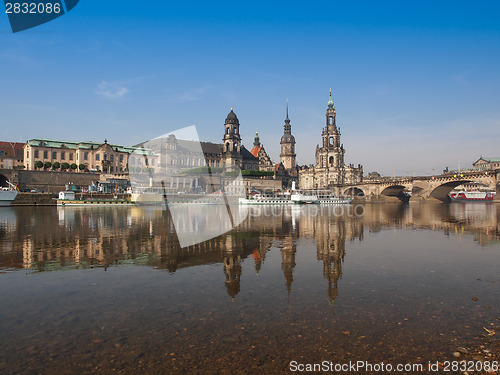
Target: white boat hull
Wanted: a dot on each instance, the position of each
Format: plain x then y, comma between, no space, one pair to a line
305,199
299,198
7,197
250,201
334,201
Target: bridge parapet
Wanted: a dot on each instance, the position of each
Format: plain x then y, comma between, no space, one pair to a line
425,187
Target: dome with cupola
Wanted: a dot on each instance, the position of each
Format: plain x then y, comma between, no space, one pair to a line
232,118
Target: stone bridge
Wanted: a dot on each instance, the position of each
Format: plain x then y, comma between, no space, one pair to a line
11,175
423,188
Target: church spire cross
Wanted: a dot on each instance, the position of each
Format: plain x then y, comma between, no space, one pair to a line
330,102
287,127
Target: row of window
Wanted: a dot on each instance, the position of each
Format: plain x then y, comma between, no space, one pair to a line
105,157
111,169
36,155
71,156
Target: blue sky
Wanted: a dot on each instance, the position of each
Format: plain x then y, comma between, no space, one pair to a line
416,84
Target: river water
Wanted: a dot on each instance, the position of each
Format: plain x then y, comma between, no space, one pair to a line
104,290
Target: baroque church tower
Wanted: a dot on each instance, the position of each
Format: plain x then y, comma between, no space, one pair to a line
331,155
288,156
231,148
330,169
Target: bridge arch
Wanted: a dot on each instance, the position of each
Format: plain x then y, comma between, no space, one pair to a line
3,181
397,191
393,190
354,191
441,192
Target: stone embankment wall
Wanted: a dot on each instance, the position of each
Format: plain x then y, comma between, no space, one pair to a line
35,199
53,182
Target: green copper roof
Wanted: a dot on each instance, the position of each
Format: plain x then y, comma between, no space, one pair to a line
51,143
490,160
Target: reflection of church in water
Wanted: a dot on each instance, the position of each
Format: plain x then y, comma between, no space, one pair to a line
88,238
102,237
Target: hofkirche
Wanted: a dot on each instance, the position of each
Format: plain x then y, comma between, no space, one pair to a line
329,170
169,155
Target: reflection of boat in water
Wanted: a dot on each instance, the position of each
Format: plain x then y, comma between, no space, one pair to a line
7,195
472,196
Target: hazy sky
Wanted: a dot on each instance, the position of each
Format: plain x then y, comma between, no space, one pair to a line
416,84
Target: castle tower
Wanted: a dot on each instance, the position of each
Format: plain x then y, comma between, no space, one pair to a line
288,156
231,148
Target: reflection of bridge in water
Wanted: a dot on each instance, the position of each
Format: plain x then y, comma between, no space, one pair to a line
423,188
89,237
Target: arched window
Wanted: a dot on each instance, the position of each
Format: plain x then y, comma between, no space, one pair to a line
227,147
330,120
331,160
234,130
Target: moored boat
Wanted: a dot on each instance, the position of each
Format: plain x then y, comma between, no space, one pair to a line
473,196
333,199
68,198
266,199
300,198
8,194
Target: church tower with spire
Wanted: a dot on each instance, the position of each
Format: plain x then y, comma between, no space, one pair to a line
331,155
288,156
330,169
231,147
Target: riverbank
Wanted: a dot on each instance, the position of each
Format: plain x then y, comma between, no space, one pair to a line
482,357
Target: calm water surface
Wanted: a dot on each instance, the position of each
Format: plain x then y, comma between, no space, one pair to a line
101,290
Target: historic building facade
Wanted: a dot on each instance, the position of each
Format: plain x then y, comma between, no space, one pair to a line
484,164
87,156
330,169
11,155
176,154
258,150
